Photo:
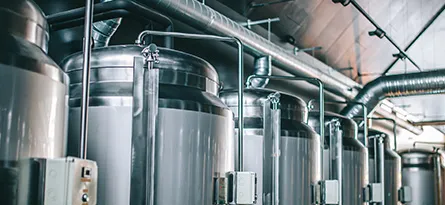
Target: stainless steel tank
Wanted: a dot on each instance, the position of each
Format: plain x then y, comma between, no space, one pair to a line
419,172
355,158
34,90
195,139
33,96
393,167
300,147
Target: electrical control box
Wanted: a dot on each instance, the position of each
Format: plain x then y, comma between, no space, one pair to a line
64,181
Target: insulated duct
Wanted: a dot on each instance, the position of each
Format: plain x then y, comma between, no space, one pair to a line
209,21
431,82
262,67
103,30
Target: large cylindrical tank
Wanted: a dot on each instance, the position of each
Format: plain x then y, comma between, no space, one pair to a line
418,172
195,139
393,167
300,147
33,96
34,90
355,157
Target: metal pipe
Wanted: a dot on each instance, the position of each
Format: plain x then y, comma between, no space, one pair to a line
380,166
431,82
110,10
87,42
430,143
240,75
256,5
438,175
365,115
262,66
263,21
394,127
321,100
103,30
381,32
336,155
430,123
208,20
274,99
422,31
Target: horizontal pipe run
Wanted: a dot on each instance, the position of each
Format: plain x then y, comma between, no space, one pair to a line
208,20
430,123
110,10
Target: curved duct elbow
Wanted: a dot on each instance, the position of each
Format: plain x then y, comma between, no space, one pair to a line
103,30
424,83
262,67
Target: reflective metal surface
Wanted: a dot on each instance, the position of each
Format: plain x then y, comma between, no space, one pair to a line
24,19
355,158
423,83
393,169
418,173
195,138
299,147
33,98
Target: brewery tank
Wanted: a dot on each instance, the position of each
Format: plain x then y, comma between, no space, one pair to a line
355,157
195,138
418,172
33,102
393,167
300,146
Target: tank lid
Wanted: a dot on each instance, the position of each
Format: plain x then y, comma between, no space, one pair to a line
418,156
122,56
348,126
24,19
292,107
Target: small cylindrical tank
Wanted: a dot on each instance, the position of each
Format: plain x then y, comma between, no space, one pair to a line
355,158
300,146
195,139
419,172
393,167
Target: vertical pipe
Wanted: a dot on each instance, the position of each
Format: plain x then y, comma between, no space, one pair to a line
276,132
381,167
339,145
438,174
86,78
321,99
240,105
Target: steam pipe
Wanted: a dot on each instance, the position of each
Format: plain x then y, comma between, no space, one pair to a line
430,143
208,20
321,99
431,82
110,10
263,67
87,43
438,174
380,165
239,43
103,30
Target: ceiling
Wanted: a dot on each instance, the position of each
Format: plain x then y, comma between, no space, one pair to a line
342,32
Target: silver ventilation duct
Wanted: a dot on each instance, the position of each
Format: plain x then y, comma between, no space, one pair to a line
208,20
103,30
432,82
262,67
